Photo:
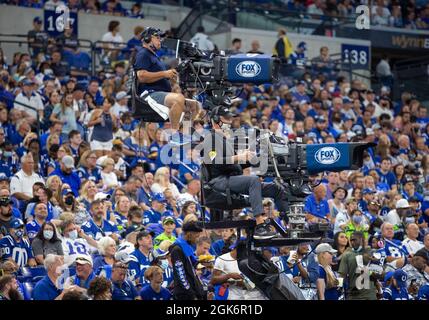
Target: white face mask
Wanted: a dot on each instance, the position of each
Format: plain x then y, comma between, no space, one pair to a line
225,126
28,64
48,234
73,234
164,264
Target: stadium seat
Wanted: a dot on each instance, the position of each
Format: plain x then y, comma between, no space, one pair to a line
29,286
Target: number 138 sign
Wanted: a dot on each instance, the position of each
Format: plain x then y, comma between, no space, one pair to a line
355,56
56,21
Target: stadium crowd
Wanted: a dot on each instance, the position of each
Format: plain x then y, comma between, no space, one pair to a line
89,209
393,13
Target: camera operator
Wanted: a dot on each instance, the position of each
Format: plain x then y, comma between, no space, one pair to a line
225,170
154,78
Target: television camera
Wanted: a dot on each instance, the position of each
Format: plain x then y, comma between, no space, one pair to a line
293,166
214,74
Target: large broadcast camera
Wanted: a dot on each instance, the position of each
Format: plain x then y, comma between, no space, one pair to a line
214,74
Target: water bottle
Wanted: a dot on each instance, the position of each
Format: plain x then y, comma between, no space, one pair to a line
248,283
103,121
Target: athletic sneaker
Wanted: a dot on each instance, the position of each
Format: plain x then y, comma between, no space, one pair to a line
264,231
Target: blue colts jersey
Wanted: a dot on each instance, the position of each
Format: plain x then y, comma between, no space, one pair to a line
20,252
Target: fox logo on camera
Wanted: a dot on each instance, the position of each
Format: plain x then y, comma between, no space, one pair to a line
248,69
327,155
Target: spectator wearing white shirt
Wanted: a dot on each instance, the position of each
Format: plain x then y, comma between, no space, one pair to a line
201,40
411,243
115,40
394,216
110,180
191,194
21,184
53,4
162,182
29,97
316,8
121,104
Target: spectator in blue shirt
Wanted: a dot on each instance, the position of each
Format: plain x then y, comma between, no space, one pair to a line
122,289
410,189
300,93
154,290
385,173
49,287
141,261
316,205
98,227
67,174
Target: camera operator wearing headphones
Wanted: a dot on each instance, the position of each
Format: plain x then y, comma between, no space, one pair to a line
223,164
154,78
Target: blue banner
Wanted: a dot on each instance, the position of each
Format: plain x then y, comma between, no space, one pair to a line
54,21
357,57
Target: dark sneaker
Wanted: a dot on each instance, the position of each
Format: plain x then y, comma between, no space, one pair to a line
263,231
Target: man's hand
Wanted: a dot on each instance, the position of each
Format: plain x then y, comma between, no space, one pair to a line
235,276
246,155
170,74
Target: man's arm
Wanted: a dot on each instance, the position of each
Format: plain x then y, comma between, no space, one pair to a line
183,284
151,77
15,190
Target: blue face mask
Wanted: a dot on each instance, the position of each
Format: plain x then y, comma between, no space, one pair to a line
357,219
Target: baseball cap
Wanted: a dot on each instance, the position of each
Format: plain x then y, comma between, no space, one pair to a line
123,256
151,31
83,259
191,226
234,245
48,77
302,82
402,204
4,177
27,82
302,45
101,196
121,94
159,253
400,277
16,223
144,233
168,219
222,111
159,197
368,191
37,20
408,179
325,247
68,162
66,192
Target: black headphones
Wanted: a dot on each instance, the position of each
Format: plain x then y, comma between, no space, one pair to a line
148,33
215,115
